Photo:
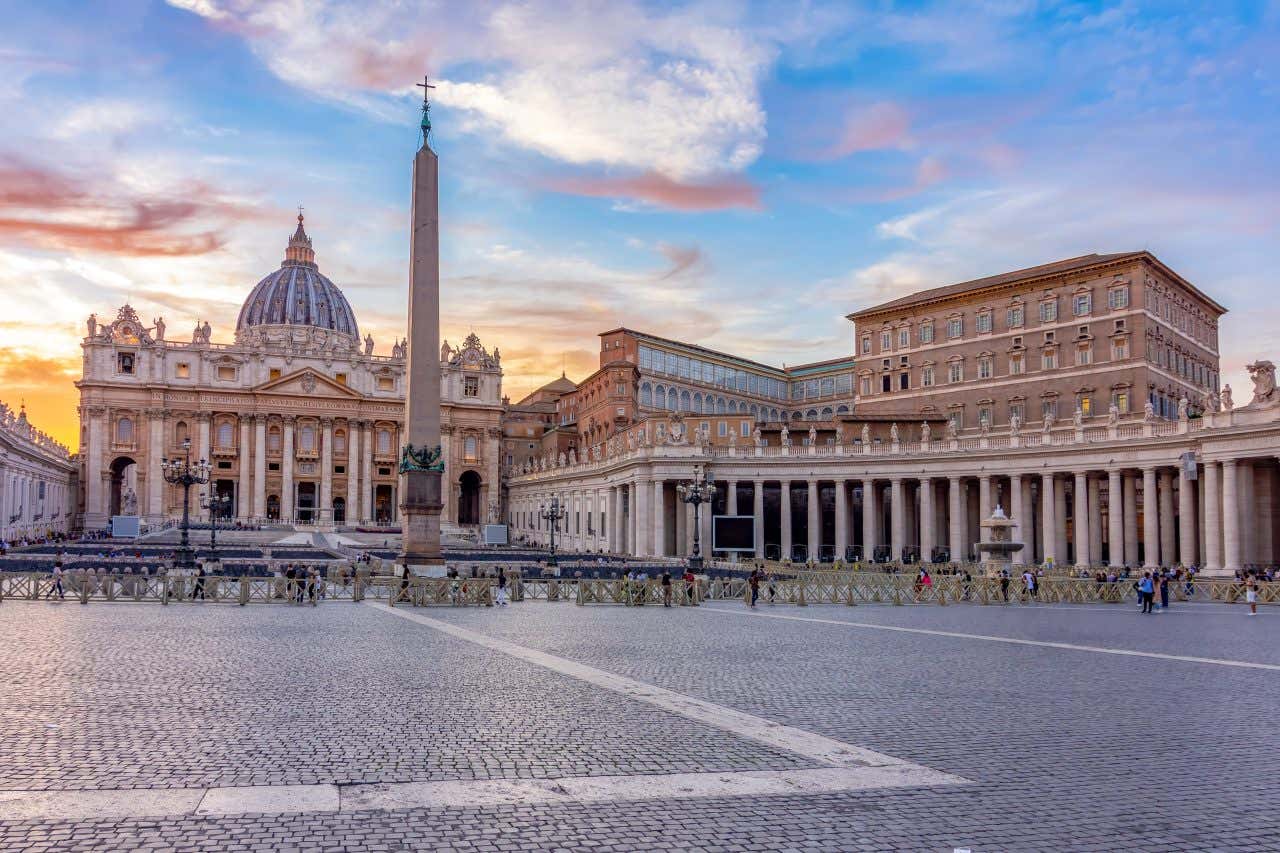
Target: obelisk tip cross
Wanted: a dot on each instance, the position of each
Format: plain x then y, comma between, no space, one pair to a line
426,87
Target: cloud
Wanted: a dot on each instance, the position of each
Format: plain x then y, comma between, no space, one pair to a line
621,84
877,127
45,386
58,210
660,191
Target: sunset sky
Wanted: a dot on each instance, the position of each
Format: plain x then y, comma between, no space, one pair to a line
737,175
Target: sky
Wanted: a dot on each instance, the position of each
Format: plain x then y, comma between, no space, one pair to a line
737,175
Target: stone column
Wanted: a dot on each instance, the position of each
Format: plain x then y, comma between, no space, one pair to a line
244,492
731,497
202,452
814,522
1150,520
286,472
690,524
1130,492
1080,518
155,474
985,509
644,519
366,474
682,522
955,520
785,533
870,520
1168,548
260,466
1095,519
1016,510
1211,498
705,523
897,518
659,518
1187,518
1115,517
324,513
842,518
757,509
1060,518
928,520
1030,533
1231,539
1049,517
1250,509
353,472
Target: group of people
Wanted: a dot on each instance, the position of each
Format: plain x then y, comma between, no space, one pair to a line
298,583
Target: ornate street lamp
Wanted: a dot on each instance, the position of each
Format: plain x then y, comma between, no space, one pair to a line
217,505
185,473
553,515
697,493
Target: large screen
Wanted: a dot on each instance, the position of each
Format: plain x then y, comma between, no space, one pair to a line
733,533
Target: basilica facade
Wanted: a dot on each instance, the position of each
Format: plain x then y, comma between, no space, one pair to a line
298,417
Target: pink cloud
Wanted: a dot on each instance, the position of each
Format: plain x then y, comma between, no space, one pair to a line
879,126
661,191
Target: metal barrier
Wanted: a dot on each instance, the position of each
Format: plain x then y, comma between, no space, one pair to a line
637,593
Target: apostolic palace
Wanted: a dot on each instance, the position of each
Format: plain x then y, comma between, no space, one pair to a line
1083,397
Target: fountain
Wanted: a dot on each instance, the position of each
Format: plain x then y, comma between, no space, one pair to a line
998,547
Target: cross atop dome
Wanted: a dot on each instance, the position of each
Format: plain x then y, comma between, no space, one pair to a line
299,249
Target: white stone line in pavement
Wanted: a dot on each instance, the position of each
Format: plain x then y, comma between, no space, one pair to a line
788,738
462,793
1244,664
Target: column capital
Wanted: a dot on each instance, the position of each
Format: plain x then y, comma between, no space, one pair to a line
326,422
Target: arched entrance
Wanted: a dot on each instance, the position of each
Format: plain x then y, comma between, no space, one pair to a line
469,498
339,510
123,495
383,504
306,503
273,507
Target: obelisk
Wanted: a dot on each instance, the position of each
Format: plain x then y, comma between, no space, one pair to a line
421,463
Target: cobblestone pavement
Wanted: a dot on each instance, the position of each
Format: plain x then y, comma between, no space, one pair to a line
1066,749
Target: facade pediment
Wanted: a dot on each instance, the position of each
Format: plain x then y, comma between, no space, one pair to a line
306,383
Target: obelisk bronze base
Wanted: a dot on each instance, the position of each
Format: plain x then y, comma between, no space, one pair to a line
420,507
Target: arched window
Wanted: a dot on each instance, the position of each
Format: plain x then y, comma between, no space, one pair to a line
180,432
340,441
273,438
307,438
842,410
773,414
384,441
733,407
469,448
755,411
686,402
697,404
827,413
225,434
671,399
811,415
721,405
646,395
124,430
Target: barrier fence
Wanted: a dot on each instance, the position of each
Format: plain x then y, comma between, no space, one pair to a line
846,588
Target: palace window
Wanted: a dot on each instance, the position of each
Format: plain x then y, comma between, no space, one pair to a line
886,341
273,373
1086,405
1015,316
955,327
904,337
469,448
926,333
225,435
180,432
955,372
904,381
984,414
983,323
386,383
226,373
340,441
182,370
1049,311
1118,297
956,417
1082,304
1049,409
1017,408
886,383
471,386
1120,399
124,363
926,377
307,438
864,386
1084,354
984,367
1015,364
124,431
384,441
1049,360
273,439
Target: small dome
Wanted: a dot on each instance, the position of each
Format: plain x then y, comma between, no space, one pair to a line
298,295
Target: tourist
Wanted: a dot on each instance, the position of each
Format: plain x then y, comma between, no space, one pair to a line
198,590
57,581
1146,592
690,587
1251,594
773,588
966,580
1004,585
1164,591
754,583
1029,583
666,587
502,587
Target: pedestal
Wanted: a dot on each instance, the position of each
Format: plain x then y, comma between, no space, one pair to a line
420,516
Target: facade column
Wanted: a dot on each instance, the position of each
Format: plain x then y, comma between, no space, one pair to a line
1094,494
659,518
897,519
690,524
731,497
1248,509
615,520
928,520
814,525
1049,517
757,510
1115,517
155,475
1130,491
682,527
1187,518
353,472
1231,540
260,466
1168,540
785,533
1030,533
244,491
870,513
325,510
366,474
955,520
644,519
1016,510
1060,518
842,519
1211,499
202,452
1150,520
286,472
985,509
1080,518
705,524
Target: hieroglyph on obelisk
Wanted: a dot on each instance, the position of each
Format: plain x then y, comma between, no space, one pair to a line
421,462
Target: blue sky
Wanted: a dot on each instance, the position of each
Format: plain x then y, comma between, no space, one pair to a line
739,175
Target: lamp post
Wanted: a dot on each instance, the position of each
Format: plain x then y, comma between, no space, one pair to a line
185,473
697,493
217,505
553,515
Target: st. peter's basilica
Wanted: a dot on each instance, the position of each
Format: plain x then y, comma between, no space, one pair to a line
299,419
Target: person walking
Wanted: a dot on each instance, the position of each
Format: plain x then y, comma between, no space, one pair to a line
1004,585
753,581
1164,591
690,587
502,587
57,581
198,590
1146,592
1251,593
666,587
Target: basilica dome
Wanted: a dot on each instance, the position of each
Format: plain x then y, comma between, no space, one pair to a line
298,295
